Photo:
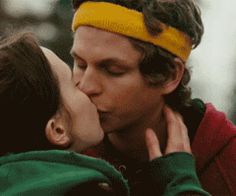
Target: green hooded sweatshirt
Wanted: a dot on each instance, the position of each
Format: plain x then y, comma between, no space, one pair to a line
54,173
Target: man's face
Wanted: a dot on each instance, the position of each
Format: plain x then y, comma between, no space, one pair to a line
106,69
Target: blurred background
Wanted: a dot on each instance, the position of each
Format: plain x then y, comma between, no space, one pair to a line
213,62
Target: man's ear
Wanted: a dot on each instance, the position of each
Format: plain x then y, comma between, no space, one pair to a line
57,133
171,84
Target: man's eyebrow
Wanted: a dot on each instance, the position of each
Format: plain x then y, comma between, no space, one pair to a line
114,61
109,61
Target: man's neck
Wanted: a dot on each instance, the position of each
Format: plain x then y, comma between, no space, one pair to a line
131,140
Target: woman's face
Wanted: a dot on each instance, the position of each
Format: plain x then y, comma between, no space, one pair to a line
79,115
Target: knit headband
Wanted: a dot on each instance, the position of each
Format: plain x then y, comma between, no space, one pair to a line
118,19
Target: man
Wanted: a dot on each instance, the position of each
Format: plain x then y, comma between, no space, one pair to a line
130,59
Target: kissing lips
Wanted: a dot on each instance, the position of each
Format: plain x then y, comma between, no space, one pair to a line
102,115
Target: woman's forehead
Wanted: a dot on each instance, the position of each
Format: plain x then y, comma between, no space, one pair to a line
58,66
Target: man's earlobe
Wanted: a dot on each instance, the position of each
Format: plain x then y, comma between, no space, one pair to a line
172,83
57,134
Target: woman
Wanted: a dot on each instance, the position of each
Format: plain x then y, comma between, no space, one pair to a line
37,96
41,110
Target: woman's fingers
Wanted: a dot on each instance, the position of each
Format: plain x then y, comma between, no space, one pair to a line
177,136
177,133
153,145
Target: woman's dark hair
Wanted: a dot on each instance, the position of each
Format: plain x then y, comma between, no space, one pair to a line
29,94
158,65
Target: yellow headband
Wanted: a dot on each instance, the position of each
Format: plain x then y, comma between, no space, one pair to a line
118,19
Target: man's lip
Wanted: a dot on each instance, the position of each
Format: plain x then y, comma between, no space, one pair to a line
102,114
102,111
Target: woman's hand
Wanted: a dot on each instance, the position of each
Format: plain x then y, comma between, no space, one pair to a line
177,136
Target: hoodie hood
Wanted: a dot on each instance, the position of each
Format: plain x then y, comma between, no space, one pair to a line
54,172
213,134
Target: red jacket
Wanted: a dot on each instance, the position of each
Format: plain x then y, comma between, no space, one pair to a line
214,146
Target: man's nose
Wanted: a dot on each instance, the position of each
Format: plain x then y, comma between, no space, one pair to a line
90,83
